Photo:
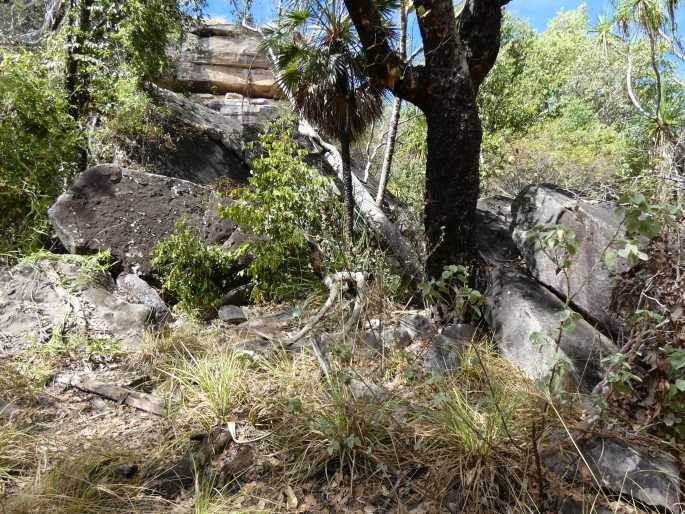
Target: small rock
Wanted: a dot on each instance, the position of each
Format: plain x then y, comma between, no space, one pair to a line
459,332
232,314
237,296
140,291
381,335
446,350
414,326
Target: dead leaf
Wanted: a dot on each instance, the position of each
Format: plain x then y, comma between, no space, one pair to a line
291,499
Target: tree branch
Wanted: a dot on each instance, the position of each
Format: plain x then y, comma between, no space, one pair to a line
478,26
384,65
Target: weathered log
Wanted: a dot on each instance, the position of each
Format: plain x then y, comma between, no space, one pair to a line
141,401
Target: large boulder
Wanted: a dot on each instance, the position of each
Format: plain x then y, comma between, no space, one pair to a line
526,319
65,294
628,471
222,58
128,212
205,137
494,240
595,226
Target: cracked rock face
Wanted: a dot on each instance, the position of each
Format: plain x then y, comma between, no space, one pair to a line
48,295
128,212
628,470
525,317
595,226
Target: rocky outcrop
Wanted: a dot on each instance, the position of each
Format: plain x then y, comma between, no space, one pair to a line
222,58
526,321
206,137
595,227
129,212
60,296
525,314
625,470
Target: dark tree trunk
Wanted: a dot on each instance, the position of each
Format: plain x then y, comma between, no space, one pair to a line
76,85
347,185
452,184
75,82
459,52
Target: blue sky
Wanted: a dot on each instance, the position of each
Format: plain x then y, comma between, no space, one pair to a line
537,12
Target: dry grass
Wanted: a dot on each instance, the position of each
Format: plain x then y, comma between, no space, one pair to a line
93,480
365,435
17,454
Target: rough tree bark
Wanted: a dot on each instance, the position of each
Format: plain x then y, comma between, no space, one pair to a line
75,84
459,52
347,185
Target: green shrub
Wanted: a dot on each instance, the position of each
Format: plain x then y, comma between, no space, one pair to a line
38,149
288,204
587,158
195,274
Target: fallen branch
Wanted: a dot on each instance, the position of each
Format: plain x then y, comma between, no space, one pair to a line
378,222
141,401
361,287
331,282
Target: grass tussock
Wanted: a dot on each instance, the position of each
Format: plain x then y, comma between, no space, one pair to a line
17,454
212,385
98,479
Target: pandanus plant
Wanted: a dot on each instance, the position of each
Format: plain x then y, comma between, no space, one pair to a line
319,67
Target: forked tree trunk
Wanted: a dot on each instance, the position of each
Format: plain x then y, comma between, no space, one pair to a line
459,49
347,185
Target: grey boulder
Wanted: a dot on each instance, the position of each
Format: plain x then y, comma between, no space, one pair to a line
627,470
38,299
520,310
446,351
128,212
595,226
493,237
232,314
140,291
201,144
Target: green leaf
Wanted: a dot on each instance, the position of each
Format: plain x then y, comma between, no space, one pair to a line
680,384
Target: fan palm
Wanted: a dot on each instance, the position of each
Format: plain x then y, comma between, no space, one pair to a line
319,67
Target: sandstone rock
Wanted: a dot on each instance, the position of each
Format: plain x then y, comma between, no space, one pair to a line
517,307
128,212
140,291
201,144
627,470
38,298
223,58
595,226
